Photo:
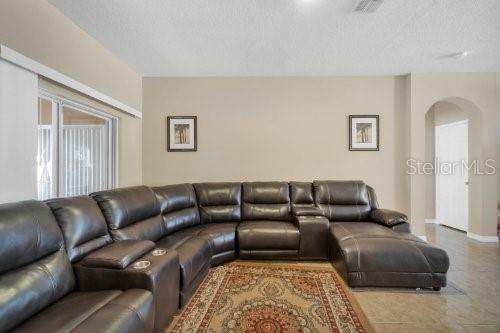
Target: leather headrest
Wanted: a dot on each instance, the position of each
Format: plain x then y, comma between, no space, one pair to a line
28,231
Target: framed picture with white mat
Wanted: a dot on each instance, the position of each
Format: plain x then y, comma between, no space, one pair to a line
181,133
364,133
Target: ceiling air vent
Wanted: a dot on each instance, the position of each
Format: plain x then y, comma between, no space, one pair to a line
367,6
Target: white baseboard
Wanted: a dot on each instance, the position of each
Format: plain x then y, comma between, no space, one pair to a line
484,239
424,238
435,221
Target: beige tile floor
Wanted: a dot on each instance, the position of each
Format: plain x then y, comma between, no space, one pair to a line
470,302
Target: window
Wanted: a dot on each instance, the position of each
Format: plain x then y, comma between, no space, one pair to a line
76,148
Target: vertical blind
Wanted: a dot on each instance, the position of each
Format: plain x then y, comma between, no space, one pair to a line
45,157
85,165
84,160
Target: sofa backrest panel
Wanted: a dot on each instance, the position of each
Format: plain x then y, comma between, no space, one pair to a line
178,207
343,200
219,202
82,223
372,197
266,201
34,268
301,194
131,213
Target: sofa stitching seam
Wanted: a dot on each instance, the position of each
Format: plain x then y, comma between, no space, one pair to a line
423,255
51,278
357,247
357,201
36,223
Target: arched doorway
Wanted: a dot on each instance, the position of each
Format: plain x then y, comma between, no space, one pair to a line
452,143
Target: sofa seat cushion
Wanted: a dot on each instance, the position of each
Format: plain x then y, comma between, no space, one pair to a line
194,252
222,236
345,230
110,311
178,238
268,235
368,254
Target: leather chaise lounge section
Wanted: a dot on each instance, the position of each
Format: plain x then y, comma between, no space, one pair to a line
372,246
368,254
38,289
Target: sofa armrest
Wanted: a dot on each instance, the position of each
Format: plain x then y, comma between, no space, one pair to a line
402,227
313,243
307,211
118,255
161,277
388,217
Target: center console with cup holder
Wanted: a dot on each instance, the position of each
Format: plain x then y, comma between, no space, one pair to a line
101,263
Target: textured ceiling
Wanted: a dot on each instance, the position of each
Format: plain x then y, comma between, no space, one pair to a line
292,37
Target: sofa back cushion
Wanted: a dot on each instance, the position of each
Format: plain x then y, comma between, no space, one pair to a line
131,213
266,201
178,207
373,197
82,223
343,200
301,194
34,268
219,202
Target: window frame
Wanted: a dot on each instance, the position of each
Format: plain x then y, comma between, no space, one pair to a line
112,123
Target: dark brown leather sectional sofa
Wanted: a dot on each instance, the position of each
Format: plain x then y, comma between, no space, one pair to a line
71,264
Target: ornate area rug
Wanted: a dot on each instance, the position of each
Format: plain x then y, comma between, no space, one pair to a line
268,298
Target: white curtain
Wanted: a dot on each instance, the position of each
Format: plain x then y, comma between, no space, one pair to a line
18,133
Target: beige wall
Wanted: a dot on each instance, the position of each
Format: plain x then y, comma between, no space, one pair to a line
476,94
296,129
276,129
38,30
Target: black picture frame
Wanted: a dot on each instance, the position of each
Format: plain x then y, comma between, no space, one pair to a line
195,134
377,134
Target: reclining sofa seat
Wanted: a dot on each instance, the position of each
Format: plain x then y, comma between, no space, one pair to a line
266,230
219,206
181,221
138,213
100,263
37,284
372,246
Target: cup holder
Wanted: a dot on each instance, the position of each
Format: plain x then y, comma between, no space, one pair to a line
141,264
158,252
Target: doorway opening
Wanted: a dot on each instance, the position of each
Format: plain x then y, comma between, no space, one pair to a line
452,127
452,177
